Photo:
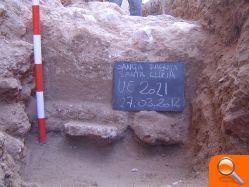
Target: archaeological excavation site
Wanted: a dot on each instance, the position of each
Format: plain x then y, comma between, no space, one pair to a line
143,94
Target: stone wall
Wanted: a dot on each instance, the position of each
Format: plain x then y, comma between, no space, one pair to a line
82,41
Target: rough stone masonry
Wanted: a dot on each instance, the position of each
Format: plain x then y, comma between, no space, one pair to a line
79,53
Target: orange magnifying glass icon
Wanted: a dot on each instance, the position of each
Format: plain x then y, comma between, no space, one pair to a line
226,167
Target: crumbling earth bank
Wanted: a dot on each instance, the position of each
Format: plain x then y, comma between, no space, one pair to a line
220,111
220,114
16,83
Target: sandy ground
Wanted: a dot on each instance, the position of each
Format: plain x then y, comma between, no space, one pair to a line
73,162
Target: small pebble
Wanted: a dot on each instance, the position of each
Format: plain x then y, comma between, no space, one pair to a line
134,170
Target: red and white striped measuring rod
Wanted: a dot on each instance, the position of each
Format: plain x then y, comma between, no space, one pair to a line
38,71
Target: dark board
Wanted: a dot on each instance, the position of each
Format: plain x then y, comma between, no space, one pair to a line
155,86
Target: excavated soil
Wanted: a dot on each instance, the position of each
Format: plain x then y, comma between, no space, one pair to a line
65,161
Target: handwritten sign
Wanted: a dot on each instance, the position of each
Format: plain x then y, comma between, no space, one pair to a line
155,86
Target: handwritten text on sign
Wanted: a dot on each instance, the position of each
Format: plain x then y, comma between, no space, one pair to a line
155,86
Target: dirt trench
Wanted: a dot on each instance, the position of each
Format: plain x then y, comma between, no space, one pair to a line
78,56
